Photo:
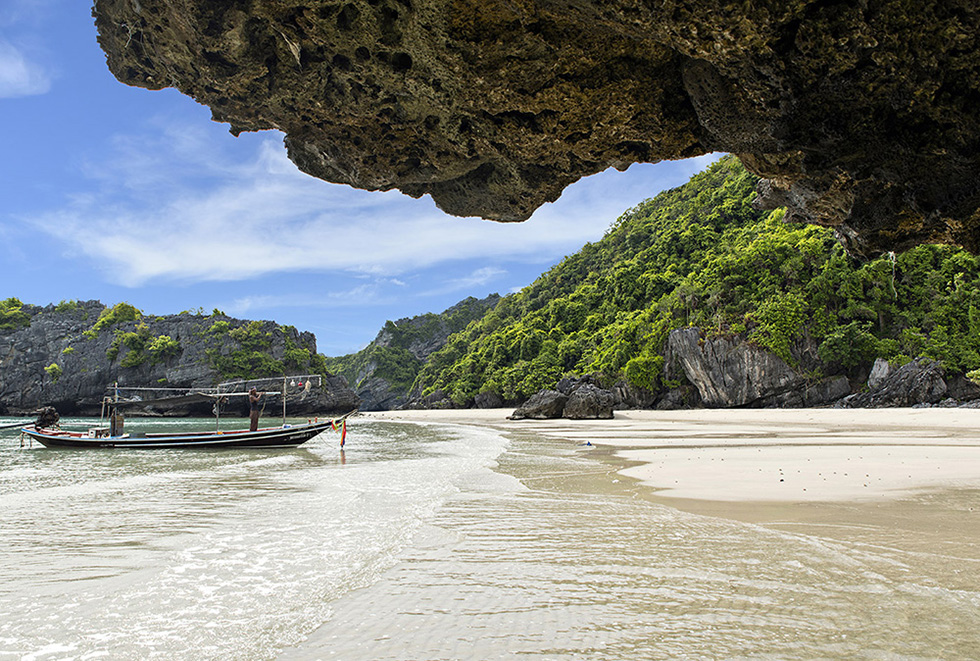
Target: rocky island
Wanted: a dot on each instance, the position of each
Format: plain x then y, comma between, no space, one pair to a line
694,298
66,355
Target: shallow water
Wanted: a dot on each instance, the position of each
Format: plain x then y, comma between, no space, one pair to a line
207,554
561,562
435,542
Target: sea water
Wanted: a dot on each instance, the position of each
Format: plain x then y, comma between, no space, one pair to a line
432,542
197,554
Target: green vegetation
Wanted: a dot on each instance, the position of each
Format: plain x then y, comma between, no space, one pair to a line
244,364
163,347
701,255
296,358
118,314
135,342
219,328
396,365
251,358
392,359
65,307
251,336
54,371
142,347
251,354
12,315
68,350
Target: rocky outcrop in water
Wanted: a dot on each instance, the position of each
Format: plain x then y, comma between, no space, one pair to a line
861,116
67,355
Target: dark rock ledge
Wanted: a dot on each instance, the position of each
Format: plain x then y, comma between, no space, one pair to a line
859,116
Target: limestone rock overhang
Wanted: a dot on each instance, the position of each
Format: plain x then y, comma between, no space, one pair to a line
860,115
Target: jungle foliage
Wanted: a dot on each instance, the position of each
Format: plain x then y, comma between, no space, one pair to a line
701,255
398,353
248,351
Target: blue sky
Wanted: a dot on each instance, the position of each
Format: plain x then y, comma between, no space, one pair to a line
121,194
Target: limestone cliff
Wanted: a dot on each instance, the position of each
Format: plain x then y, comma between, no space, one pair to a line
730,372
385,370
66,356
860,115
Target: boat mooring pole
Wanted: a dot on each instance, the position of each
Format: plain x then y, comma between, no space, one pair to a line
283,401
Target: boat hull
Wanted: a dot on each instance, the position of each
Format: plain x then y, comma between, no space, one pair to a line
274,437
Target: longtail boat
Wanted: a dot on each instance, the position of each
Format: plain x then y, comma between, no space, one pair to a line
47,431
269,437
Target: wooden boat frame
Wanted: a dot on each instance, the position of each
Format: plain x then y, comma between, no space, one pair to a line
269,437
112,437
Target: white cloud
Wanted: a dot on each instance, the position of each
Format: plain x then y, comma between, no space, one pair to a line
177,207
360,296
18,75
477,278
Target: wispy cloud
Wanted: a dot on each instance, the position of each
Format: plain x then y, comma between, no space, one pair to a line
178,207
19,76
481,276
360,296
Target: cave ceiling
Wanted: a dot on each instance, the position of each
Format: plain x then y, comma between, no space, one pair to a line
862,116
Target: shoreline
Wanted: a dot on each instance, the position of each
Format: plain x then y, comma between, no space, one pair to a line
767,455
839,473
581,559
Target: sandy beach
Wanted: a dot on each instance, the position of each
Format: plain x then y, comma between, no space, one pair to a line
842,473
770,455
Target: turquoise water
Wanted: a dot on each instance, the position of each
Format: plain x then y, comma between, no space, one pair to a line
434,542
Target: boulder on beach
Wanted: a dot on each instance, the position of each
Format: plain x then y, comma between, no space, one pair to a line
543,405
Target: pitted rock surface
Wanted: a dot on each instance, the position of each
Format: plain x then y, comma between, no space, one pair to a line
859,115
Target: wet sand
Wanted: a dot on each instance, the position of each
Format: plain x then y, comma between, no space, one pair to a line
664,535
771,455
831,472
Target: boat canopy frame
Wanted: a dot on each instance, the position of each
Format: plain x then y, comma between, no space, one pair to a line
113,402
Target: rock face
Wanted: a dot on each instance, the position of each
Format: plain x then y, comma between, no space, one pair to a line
879,372
729,372
861,116
409,341
58,359
488,400
543,405
589,403
578,398
920,382
377,394
425,334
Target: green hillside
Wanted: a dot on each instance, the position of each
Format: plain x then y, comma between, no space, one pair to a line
402,346
701,255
